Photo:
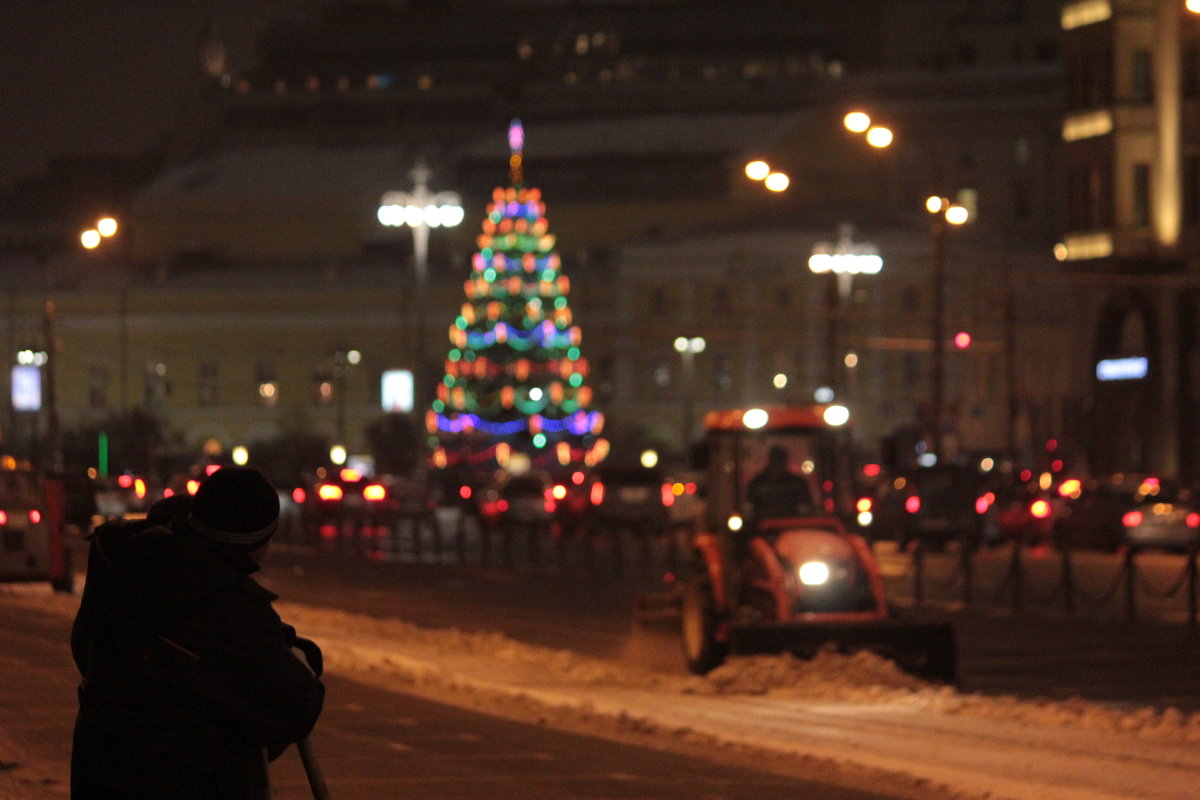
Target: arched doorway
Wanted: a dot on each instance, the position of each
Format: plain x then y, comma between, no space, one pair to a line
1127,386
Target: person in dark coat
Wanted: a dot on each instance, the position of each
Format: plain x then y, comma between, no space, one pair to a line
191,681
777,491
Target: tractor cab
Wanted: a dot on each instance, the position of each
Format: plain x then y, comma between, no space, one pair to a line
771,463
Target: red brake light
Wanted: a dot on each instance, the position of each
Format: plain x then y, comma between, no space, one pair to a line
192,486
124,481
863,505
502,505
3,517
139,488
35,516
374,492
668,494
1041,509
913,504
299,495
559,491
985,502
1193,520
329,492
350,475
1132,519
464,492
550,505
597,493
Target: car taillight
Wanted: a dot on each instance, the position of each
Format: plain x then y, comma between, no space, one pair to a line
299,495
3,517
1040,509
913,504
559,491
35,516
139,488
1193,520
863,505
550,505
668,495
1132,519
502,505
192,486
597,493
329,492
464,492
984,502
374,492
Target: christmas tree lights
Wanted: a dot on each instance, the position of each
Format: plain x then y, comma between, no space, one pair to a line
515,377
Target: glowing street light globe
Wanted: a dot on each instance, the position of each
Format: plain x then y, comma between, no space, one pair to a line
856,122
757,170
777,182
879,137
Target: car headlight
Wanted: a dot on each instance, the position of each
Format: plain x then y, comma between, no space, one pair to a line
813,573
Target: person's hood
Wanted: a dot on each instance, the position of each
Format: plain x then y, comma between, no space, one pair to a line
152,565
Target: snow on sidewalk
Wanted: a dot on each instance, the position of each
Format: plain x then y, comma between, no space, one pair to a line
859,710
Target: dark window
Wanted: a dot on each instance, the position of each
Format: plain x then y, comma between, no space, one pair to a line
722,374
154,386
208,395
1141,195
97,387
1191,190
1142,79
1190,69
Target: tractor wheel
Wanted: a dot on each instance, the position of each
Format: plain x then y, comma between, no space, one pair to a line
698,622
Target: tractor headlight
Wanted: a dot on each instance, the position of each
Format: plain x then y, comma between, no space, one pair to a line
813,573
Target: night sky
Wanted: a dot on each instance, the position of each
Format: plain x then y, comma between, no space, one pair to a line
101,76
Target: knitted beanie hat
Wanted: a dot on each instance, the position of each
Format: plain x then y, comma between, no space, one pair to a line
235,505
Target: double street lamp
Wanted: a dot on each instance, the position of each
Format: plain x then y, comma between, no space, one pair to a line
688,347
420,210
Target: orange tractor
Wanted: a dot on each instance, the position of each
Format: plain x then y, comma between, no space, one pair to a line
773,566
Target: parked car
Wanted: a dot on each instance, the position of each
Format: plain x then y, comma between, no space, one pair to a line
633,498
1138,513
350,495
941,504
524,499
1026,511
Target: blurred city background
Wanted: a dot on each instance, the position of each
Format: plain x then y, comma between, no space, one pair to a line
252,303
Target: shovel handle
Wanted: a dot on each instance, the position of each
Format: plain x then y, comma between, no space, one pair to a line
316,779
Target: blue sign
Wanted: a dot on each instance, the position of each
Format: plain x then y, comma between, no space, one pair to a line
1123,369
26,388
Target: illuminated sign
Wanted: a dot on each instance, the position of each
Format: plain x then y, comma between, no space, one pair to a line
26,388
398,390
1123,369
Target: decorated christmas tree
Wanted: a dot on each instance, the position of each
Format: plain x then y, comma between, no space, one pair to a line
516,379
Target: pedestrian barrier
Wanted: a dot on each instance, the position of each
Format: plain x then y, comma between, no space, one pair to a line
454,536
1014,588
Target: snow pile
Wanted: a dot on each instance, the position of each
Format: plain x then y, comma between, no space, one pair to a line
461,659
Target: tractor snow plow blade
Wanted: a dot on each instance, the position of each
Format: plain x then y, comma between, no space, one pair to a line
923,649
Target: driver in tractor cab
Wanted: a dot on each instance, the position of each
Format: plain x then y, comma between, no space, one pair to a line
777,492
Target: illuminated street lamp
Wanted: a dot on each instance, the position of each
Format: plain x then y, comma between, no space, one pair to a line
944,213
843,259
420,210
688,347
774,180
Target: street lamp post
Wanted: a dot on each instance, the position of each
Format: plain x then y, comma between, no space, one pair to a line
944,213
688,347
843,259
420,210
